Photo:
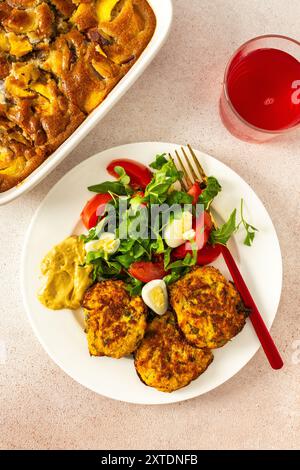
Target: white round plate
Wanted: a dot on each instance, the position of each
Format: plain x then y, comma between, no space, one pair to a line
61,333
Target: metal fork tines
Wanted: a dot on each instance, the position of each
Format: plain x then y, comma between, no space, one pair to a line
193,172
192,169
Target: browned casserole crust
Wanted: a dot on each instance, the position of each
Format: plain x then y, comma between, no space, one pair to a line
58,61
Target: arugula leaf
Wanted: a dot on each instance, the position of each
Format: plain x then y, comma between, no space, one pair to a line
160,160
173,277
138,224
176,274
132,250
120,187
122,231
158,246
92,235
250,236
94,274
136,203
114,267
104,269
188,261
223,233
212,189
146,244
114,187
157,190
134,287
123,177
126,245
167,257
93,256
138,250
125,260
250,229
179,197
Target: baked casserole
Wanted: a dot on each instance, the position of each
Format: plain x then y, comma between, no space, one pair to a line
58,61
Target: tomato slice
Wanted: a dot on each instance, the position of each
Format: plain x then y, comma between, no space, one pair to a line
140,175
147,271
94,209
208,254
195,192
202,226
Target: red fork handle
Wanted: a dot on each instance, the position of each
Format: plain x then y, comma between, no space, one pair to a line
260,328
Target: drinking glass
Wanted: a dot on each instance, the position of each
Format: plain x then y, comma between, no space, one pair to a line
261,92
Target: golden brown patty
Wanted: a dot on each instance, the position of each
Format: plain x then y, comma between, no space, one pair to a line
115,322
208,307
165,360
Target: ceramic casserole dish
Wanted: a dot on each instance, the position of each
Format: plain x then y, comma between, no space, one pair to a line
163,13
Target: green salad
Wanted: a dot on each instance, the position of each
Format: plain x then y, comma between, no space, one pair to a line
144,226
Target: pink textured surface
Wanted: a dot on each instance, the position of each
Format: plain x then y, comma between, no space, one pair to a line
175,100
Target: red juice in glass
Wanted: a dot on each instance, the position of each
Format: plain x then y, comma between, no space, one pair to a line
261,96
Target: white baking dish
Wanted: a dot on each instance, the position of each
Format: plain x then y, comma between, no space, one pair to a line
163,11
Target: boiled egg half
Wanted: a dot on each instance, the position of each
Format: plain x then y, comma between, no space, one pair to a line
177,228
155,296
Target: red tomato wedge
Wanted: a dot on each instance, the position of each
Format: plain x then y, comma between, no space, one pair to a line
202,227
147,271
208,254
140,175
94,209
195,192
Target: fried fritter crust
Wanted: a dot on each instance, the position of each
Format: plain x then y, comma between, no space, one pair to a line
115,322
164,360
209,309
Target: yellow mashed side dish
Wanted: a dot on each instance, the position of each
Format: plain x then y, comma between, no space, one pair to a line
65,280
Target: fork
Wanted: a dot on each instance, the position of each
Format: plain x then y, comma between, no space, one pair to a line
194,173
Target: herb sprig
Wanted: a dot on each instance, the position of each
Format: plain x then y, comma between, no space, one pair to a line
222,234
250,229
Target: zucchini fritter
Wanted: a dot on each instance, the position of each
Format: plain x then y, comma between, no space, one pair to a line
115,322
164,360
209,309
